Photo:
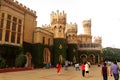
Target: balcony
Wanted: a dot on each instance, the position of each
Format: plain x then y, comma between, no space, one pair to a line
89,46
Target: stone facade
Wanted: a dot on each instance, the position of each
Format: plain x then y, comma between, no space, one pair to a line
18,24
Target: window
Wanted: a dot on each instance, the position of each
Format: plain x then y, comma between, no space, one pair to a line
2,21
9,17
48,41
0,34
20,21
19,28
14,19
7,36
14,23
43,40
19,25
18,38
8,21
8,25
60,28
13,37
14,26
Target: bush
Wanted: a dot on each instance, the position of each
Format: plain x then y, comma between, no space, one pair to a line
2,63
20,60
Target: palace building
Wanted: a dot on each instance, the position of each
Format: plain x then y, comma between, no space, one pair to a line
52,43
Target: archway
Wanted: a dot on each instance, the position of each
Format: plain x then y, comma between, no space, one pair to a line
46,54
60,59
83,58
92,59
74,60
29,59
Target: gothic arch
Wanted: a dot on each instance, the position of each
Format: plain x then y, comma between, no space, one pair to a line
74,59
83,58
46,55
60,58
29,59
92,58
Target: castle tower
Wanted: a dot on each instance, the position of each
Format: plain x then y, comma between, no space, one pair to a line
71,33
58,22
87,27
98,40
71,36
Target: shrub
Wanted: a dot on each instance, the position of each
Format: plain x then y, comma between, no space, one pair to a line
2,63
20,60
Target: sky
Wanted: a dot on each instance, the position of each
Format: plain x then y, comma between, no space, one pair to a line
104,14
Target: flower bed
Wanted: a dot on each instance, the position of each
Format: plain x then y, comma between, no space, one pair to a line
14,69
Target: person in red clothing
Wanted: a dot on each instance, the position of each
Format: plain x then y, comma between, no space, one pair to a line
83,69
58,68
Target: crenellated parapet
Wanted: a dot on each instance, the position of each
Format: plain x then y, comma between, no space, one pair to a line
20,6
86,23
97,39
47,27
58,17
71,28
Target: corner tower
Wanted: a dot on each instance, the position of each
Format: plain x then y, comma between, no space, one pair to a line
87,27
58,23
71,35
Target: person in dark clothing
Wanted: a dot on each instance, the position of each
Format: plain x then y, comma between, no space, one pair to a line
104,72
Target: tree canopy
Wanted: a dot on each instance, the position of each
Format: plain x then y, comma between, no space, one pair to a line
111,54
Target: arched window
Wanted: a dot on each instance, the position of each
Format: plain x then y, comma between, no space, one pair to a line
60,29
55,27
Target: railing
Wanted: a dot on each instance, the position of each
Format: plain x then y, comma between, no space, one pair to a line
89,46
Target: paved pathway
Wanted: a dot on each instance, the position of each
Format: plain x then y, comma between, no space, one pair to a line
51,74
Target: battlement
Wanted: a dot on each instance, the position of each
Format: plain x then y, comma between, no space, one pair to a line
46,26
87,23
58,14
71,27
20,6
97,39
58,17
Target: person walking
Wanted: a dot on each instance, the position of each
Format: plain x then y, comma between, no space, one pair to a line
58,68
104,72
114,70
77,66
83,69
66,64
86,69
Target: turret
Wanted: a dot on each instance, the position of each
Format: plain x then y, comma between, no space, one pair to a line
87,27
97,40
71,33
58,23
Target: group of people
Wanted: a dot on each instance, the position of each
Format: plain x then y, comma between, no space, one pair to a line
114,71
85,68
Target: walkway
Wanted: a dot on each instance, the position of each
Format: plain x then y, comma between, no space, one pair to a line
50,74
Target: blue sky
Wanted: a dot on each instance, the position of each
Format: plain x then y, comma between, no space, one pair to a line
105,16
